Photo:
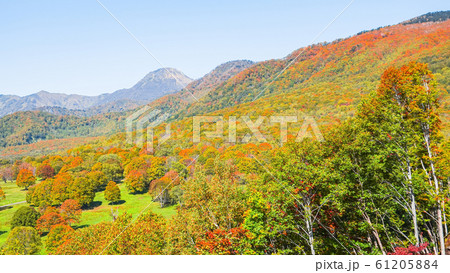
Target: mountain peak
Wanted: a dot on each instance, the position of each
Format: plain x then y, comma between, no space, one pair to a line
165,74
154,85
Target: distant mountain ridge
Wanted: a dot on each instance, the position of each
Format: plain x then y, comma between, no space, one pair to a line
154,85
53,122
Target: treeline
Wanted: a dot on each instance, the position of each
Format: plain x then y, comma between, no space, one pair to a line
437,16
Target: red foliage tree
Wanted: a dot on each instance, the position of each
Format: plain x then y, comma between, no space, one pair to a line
6,173
45,171
221,242
70,211
50,218
410,250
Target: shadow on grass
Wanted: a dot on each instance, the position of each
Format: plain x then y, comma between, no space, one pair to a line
5,208
79,226
120,202
93,205
3,232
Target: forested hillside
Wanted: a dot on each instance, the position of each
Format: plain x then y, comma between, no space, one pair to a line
327,81
29,127
376,184
437,16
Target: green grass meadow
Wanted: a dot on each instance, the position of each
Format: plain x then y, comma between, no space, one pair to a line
100,210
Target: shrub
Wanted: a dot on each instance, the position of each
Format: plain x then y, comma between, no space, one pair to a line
410,250
22,241
25,217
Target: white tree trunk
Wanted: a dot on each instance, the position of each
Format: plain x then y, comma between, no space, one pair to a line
437,188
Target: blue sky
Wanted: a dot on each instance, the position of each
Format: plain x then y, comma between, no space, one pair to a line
75,46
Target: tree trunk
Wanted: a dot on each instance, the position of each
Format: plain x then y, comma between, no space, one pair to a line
414,215
413,205
309,229
374,232
436,185
432,241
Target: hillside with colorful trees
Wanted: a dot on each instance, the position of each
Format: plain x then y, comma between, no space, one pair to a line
368,175
328,81
324,80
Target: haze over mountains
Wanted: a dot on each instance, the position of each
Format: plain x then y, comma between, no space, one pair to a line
154,85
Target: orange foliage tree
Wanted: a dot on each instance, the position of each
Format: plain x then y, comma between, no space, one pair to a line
2,194
222,242
50,218
25,179
70,211
57,236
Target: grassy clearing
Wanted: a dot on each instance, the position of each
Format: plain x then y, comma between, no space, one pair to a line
134,204
13,193
5,219
100,211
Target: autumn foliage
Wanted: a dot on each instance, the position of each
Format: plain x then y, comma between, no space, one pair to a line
25,179
45,171
222,242
112,192
50,218
410,250
145,236
376,180
70,211
2,194
57,236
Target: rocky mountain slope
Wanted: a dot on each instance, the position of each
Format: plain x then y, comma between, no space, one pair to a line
154,85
